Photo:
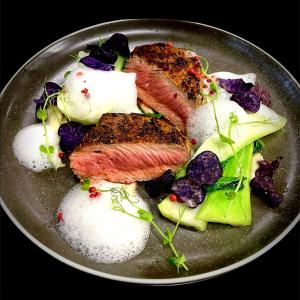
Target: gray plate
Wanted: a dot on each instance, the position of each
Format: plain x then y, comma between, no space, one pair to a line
30,199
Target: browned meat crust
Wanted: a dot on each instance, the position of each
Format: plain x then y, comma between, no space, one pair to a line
176,63
132,128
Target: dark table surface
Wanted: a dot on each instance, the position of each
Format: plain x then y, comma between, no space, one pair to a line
25,269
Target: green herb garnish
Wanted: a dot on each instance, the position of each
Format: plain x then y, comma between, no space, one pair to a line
258,145
226,183
67,74
42,115
85,185
120,194
154,115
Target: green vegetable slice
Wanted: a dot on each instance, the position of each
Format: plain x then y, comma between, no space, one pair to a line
253,128
232,208
171,210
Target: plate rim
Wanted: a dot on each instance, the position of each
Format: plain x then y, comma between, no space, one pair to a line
149,281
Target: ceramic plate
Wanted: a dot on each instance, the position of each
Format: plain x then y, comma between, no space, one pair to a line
31,199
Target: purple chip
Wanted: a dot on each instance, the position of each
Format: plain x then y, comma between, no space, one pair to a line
188,192
230,85
161,185
205,169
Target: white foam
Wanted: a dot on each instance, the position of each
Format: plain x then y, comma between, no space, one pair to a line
201,124
111,91
94,229
26,148
248,77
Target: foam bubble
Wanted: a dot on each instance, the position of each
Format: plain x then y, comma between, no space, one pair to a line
201,124
94,229
26,148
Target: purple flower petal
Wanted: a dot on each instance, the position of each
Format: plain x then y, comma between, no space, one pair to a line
94,63
230,85
263,95
71,134
49,89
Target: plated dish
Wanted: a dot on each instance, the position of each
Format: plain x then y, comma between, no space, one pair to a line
193,239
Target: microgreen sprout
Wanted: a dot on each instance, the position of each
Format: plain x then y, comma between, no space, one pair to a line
204,64
42,115
118,195
85,185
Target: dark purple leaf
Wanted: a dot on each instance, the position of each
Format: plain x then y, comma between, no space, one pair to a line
103,55
246,98
189,192
71,134
49,89
230,85
267,168
119,43
263,95
205,169
161,185
263,187
95,64
262,183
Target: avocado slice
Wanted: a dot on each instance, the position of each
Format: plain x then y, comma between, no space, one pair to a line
171,210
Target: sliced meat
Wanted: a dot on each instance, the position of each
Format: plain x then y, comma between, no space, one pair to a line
129,147
168,79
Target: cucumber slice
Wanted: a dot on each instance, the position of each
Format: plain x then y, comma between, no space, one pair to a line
171,210
251,128
217,207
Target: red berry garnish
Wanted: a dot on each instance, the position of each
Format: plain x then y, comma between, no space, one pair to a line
208,80
173,197
84,91
193,142
61,155
59,216
211,92
92,189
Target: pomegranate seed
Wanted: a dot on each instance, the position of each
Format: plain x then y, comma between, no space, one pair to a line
208,80
61,155
84,91
92,189
193,141
59,216
191,71
94,195
173,197
211,92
